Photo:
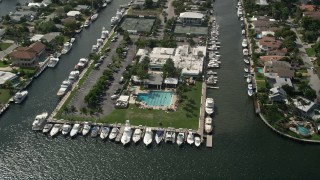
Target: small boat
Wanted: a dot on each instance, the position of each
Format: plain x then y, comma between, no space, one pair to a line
20,96
197,141
190,138
64,88
86,23
39,120
75,129
114,133
244,43
66,47
94,131
246,61
159,136
208,124
137,134
250,86
55,129
170,136
250,92
246,70
125,139
249,79
209,106
94,17
108,1
66,129
47,128
104,5
147,140
53,62
243,32
73,76
180,138
210,72
245,52
86,129
104,132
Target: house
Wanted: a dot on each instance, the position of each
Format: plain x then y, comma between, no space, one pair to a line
278,52
29,15
304,106
269,43
28,56
191,18
315,15
264,59
7,76
171,82
261,23
274,80
50,36
154,82
142,52
277,94
73,13
308,7
139,4
81,7
282,68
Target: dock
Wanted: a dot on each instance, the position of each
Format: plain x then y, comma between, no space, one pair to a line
118,138
43,67
209,141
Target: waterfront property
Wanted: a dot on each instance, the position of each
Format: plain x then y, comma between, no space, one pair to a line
28,56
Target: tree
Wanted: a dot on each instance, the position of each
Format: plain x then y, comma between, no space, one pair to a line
84,110
148,3
66,110
168,69
9,85
288,89
73,109
126,36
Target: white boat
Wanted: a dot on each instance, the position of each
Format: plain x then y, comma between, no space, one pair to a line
39,120
55,129
86,129
104,5
241,19
73,76
95,131
209,106
104,132
243,32
114,133
245,52
246,61
197,141
180,138
66,129
86,23
170,136
147,140
246,70
210,72
159,136
47,128
94,17
250,92
249,79
66,47
20,96
114,20
244,43
125,139
250,86
208,124
94,48
75,129
108,1
104,34
136,135
64,88
190,138
99,42
53,62
72,40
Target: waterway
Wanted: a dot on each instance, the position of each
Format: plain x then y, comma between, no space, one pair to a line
243,146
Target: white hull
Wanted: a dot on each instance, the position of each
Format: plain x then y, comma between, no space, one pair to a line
137,135
147,140
54,131
190,138
39,120
75,129
180,139
114,133
197,141
20,97
104,132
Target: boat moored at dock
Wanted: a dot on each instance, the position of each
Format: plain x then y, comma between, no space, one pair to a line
114,133
190,138
94,131
209,106
137,134
47,128
208,125
147,140
125,139
53,62
66,129
180,138
159,136
104,132
86,129
39,121
55,129
170,136
20,96
75,129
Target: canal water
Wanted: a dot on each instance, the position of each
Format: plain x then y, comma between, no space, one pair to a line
243,146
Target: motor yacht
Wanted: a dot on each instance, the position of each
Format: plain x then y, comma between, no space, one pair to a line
250,86
197,141
94,17
55,129
209,106
86,23
250,92
246,61
190,138
75,129
53,62
104,5
86,128
159,136
39,121
104,132
249,79
243,32
114,133
170,136
108,1
137,134
47,128
125,139
99,42
245,52
66,129
244,43
114,20
20,96
147,140
208,124
73,76
180,138
66,47
95,131
94,48
104,33
64,88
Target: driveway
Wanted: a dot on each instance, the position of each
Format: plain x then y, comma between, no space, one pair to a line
8,50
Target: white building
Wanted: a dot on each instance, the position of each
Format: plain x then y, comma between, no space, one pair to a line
7,76
304,106
73,13
192,18
277,94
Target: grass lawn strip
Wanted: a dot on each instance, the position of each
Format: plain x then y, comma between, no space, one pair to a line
4,96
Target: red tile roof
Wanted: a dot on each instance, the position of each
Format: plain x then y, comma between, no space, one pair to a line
307,7
270,58
270,42
28,52
23,55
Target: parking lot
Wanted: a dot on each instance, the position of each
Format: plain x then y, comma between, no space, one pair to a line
107,105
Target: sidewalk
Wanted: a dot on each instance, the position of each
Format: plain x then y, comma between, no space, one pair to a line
8,50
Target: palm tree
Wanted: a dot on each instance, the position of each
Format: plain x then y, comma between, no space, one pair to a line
73,109
66,110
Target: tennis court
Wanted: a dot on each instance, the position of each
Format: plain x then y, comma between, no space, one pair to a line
138,24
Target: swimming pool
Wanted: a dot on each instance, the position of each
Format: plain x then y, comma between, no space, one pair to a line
260,70
156,98
303,131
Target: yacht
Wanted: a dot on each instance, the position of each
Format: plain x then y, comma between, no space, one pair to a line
73,76
243,32
86,23
72,40
104,132
114,133
197,141
53,62
108,1
55,129
94,48
170,136
208,124
125,139
75,129
246,61
241,19
86,129
136,135
94,17
250,92
66,129
20,96
64,88
190,138
210,72
99,42
250,86
147,140
104,4
180,138
114,20
212,80
39,121
47,128
249,79
159,136
245,52
246,70
209,106
66,47
95,131
244,43
104,33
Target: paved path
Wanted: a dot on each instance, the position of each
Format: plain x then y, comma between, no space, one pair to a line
7,51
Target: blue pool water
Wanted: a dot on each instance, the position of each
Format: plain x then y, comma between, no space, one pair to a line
156,98
304,131
260,70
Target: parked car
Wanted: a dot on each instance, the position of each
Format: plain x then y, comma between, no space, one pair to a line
113,97
97,65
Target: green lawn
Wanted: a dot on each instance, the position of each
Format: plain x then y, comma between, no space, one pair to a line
4,46
4,96
3,64
310,52
187,115
259,76
261,84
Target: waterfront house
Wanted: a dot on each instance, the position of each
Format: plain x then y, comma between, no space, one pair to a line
191,18
262,2
269,43
142,52
28,56
283,69
7,76
140,4
304,106
73,13
315,15
262,22
28,15
265,59
277,94
308,7
274,80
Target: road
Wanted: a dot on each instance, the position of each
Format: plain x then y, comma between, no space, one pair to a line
8,50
